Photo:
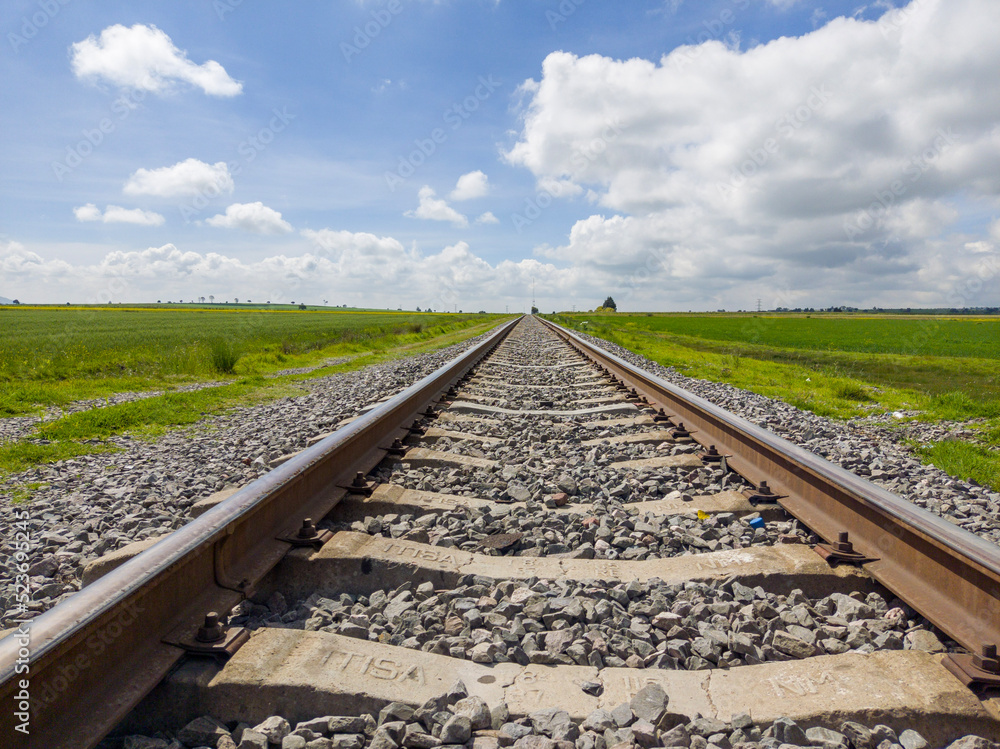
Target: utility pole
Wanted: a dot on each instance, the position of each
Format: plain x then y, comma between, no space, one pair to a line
532,292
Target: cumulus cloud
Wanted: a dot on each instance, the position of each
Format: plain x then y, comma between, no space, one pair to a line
115,214
835,163
144,58
469,186
253,217
432,208
185,178
487,218
356,268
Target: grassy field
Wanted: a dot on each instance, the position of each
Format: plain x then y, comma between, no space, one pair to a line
840,366
54,356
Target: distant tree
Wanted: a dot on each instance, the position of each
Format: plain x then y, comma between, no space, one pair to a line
158,301
249,301
534,310
482,312
302,306
237,300
460,312
211,298
418,309
609,303
16,301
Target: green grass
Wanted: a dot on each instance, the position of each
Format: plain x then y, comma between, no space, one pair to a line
838,366
965,459
87,432
52,356
151,415
21,455
882,334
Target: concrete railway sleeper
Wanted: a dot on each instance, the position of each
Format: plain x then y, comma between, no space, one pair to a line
544,547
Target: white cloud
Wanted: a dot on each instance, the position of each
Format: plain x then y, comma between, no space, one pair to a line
253,217
472,185
356,268
432,208
185,178
115,214
144,58
487,218
835,163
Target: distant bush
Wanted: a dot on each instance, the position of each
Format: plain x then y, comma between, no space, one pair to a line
224,356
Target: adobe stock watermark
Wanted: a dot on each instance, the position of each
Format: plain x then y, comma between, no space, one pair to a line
454,117
93,137
895,19
581,157
69,671
381,18
223,8
886,197
785,127
715,28
563,11
249,148
39,19
21,636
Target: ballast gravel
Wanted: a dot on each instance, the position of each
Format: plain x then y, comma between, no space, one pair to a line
95,504
871,448
690,626
606,531
455,719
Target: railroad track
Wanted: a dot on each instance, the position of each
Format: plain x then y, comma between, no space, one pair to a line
555,529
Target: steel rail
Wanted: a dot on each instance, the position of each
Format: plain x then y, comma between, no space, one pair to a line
94,656
949,575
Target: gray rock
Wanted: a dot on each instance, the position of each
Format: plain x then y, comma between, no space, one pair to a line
347,741
251,739
910,739
457,730
623,715
860,736
203,731
922,639
826,737
599,720
793,646
650,704
972,742
678,736
395,711
534,741
476,710
275,728
345,724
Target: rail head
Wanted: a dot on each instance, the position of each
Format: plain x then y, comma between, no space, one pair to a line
945,572
78,650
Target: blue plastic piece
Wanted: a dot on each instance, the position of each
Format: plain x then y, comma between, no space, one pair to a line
757,523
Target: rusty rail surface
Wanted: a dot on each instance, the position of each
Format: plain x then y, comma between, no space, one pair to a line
94,656
949,575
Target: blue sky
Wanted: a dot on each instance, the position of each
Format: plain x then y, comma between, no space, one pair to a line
597,139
